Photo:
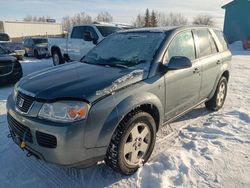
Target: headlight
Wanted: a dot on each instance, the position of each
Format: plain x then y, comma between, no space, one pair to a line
64,111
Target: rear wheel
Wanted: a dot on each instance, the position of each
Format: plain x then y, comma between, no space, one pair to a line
57,58
132,143
217,101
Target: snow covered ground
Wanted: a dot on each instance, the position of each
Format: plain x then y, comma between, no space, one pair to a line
204,149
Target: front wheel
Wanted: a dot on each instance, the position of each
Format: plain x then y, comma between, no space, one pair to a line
132,143
219,97
57,58
36,54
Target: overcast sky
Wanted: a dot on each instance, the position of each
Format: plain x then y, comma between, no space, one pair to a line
122,10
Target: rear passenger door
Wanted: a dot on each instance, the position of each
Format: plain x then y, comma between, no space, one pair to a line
182,86
210,59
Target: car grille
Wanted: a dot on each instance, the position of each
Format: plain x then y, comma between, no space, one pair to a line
19,129
6,69
46,140
24,102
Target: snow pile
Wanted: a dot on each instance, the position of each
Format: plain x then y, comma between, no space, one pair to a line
204,149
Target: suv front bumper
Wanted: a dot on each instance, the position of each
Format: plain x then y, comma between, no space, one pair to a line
69,150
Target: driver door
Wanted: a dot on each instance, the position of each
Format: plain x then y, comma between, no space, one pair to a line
183,85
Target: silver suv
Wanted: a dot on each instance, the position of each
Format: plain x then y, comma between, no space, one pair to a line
110,105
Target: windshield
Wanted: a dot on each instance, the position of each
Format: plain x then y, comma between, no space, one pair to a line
2,51
40,41
128,50
107,30
4,37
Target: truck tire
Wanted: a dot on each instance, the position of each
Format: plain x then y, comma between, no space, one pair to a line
36,54
57,57
219,97
132,143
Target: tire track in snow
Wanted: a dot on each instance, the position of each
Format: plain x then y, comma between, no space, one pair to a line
164,143
54,176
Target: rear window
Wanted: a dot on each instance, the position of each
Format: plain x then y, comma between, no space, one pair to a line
40,41
4,37
107,30
206,43
222,40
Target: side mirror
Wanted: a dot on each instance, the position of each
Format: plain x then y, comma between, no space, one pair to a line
87,36
179,62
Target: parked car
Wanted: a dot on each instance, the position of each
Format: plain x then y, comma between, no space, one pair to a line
110,106
13,48
10,68
36,47
246,43
81,39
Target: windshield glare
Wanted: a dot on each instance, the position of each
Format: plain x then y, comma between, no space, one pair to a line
127,49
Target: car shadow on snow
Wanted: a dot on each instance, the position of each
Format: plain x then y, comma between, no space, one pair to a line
193,114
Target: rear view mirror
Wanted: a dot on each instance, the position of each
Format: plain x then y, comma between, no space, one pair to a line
179,62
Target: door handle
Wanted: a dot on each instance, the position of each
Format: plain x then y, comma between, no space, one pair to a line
218,62
196,70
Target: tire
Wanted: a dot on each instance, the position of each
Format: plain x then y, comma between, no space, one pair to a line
132,143
57,58
36,54
26,54
219,97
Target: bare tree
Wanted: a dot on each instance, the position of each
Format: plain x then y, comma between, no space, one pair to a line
140,21
77,19
66,23
104,17
203,20
175,19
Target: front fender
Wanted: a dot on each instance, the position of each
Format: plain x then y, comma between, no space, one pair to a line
106,114
122,109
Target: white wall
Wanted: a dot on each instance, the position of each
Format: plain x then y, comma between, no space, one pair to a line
23,29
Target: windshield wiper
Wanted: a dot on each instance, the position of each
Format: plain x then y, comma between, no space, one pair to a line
114,65
106,64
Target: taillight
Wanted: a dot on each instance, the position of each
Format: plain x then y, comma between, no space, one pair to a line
245,44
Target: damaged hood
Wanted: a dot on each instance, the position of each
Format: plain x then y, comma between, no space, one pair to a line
78,80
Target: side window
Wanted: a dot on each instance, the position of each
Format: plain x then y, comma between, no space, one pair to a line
77,32
92,31
31,42
221,38
28,42
182,45
213,45
205,43
25,42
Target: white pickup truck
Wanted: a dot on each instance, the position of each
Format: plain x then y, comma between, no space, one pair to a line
81,39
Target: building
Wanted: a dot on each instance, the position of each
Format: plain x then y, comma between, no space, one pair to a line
237,20
16,29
